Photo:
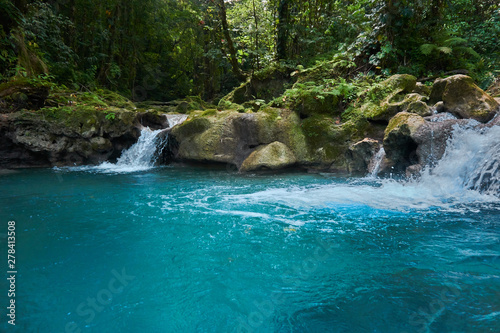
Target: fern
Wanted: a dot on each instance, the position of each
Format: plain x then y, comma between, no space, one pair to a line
455,41
427,48
445,49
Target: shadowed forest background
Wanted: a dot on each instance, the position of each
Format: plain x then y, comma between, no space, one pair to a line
165,49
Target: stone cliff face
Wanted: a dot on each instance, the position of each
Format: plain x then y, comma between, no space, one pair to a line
38,140
76,131
34,140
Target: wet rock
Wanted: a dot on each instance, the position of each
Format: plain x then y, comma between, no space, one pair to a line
440,117
317,142
418,107
439,107
361,154
463,98
273,156
152,120
422,89
230,137
52,137
399,142
432,138
413,171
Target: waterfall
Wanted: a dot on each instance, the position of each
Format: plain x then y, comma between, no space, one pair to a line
471,161
140,156
143,154
376,163
175,119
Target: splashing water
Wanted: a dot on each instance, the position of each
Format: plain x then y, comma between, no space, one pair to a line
471,162
139,157
466,176
142,154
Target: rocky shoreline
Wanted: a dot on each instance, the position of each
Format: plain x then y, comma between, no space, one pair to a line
411,121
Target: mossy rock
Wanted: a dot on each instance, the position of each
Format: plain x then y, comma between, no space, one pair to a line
327,142
112,98
413,103
420,108
254,105
322,70
404,122
22,93
393,99
401,82
309,104
189,104
422,89
273,156
463,98
191,127
231,137
399,141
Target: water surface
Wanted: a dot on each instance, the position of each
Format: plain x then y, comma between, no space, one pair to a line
209,250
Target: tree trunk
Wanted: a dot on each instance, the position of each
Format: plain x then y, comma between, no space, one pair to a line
232,51
256,35
282,30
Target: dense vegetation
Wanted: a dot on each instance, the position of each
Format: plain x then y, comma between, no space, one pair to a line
169,49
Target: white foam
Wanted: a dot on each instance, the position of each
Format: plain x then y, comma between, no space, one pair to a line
139,157
454,184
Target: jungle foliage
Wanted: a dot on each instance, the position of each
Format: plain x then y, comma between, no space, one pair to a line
169,49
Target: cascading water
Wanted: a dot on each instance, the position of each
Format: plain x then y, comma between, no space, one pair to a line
471,161
375,165
175,119
466,176
143,154
140,156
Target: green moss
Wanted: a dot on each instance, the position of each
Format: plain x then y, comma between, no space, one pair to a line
209,112
272,70
407,122
114,99
191,127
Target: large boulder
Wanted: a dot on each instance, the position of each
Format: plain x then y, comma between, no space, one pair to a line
230,137
273,156
432,138
463,98
422,89
399,141
318,142
412,142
